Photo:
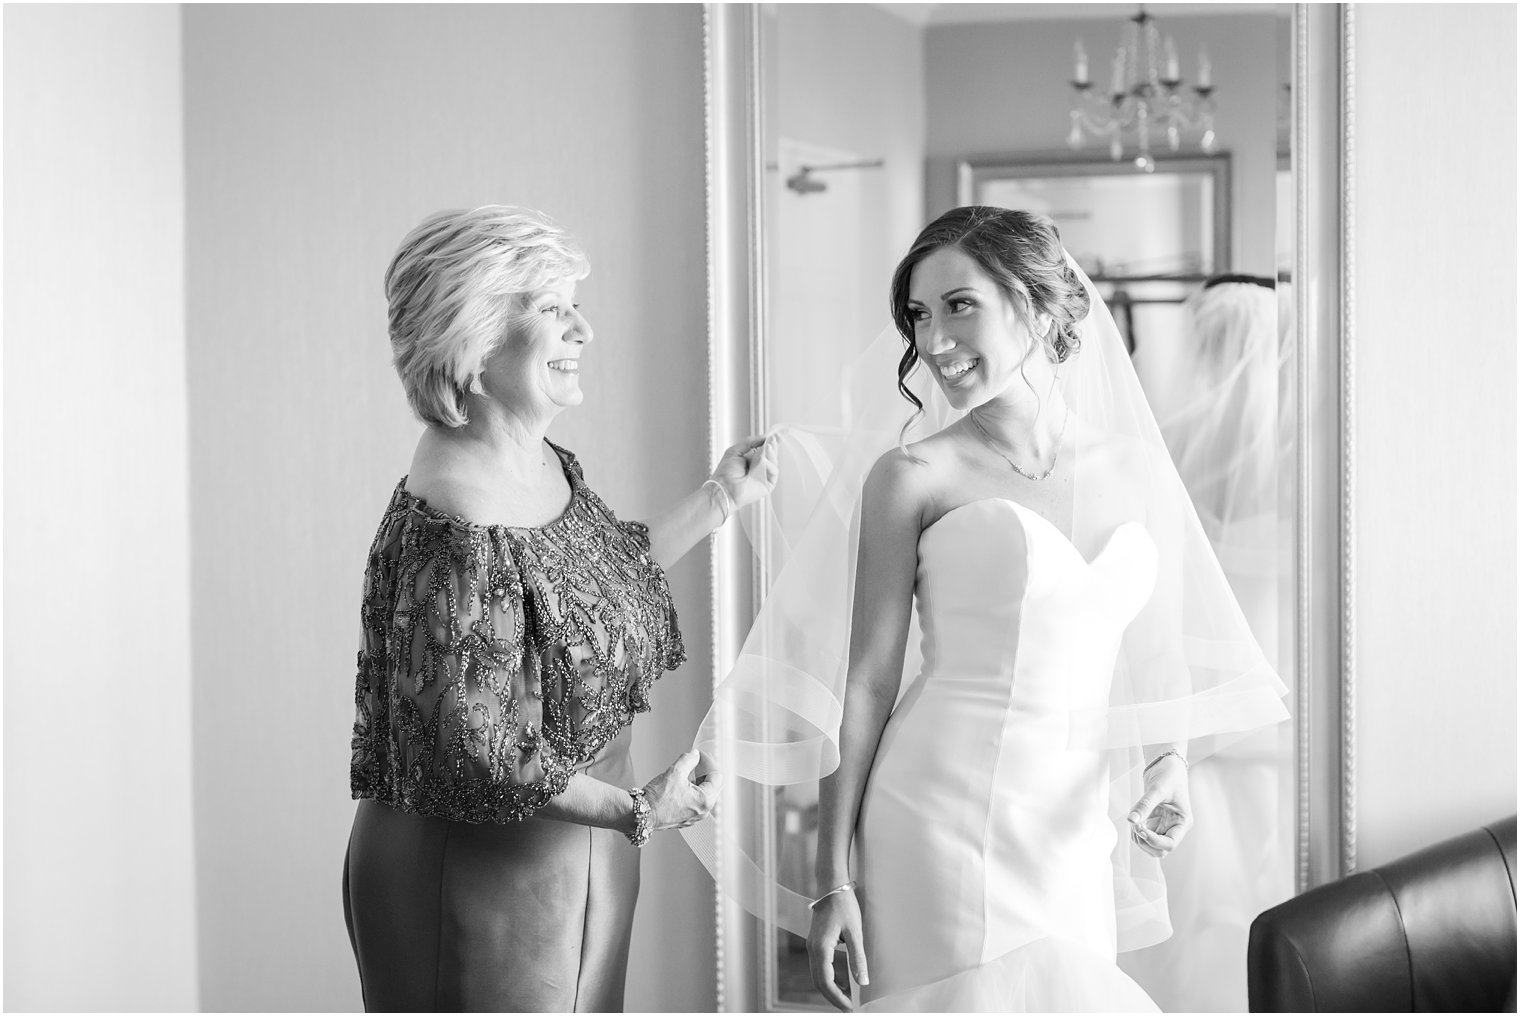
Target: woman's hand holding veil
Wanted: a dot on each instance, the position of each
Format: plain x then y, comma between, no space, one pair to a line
745,474
836,918
748,470
1164,813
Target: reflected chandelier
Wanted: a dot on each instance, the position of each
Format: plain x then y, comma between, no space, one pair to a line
1145,96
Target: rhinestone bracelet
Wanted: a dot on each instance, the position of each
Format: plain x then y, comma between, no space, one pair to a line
642,817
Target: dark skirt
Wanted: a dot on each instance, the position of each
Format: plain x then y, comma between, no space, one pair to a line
524,916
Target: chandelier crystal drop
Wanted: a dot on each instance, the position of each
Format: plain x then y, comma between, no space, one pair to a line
1145,97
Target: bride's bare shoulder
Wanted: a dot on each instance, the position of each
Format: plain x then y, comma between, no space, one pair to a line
906,476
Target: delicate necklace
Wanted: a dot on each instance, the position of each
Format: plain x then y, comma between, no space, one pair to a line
992,443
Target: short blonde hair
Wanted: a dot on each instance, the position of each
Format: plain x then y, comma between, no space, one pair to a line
454,286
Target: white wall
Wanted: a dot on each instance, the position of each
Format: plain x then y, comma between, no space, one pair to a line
1001,88
316,137
1435,389
851,76
99,872
847,82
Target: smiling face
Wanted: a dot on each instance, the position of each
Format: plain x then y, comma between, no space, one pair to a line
536,371
966,329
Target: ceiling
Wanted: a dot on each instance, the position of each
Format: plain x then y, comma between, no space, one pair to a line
929,14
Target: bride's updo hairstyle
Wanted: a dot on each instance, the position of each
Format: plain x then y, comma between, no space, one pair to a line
1022,253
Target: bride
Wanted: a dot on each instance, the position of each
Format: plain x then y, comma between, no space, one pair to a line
1078,646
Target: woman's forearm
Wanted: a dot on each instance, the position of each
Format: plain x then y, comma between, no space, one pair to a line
840,793
588,801
690,520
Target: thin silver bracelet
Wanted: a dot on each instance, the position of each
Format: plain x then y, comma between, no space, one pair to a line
837,889
726,505
1158,758
642,817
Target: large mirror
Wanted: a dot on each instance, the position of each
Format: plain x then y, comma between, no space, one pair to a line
840,129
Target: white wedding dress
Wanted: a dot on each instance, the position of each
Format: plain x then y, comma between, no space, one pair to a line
984,840
994,864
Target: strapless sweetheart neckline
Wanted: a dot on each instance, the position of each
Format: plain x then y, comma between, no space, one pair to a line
1022,510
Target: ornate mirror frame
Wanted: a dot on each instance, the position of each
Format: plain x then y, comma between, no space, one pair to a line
1323,154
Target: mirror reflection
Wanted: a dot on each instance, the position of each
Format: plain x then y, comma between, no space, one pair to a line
876,120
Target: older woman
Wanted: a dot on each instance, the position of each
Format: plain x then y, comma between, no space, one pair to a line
512,627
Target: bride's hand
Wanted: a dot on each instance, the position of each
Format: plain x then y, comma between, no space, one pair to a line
835,918
1164,813
747,471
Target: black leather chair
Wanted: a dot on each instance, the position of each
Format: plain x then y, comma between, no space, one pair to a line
1431,932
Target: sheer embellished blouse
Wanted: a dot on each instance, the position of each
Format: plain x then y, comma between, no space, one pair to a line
497,660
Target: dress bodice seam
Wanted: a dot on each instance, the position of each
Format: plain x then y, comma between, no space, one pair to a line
997,758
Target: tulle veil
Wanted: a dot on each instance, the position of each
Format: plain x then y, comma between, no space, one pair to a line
1189,669
1228,426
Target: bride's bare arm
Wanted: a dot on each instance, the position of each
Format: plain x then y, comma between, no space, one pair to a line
891,520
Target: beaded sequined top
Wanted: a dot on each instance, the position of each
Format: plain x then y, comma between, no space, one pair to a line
497,660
